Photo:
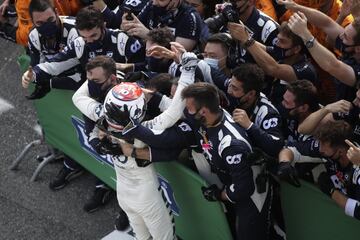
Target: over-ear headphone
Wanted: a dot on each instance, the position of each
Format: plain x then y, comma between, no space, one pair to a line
231,59
229,44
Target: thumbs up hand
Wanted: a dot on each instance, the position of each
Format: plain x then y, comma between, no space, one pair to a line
27,77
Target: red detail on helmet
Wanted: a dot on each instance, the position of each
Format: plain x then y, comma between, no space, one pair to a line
127,91
117,127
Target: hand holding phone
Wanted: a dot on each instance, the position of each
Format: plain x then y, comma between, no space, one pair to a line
128,14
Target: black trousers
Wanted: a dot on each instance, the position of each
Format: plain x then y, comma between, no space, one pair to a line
250,223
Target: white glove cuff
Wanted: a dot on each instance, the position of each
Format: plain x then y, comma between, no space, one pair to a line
350,207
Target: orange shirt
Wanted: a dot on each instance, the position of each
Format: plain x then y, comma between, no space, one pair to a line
267,7
318,33
327,89
63,7
67,7
24,21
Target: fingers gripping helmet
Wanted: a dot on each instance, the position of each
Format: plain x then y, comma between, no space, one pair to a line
127,102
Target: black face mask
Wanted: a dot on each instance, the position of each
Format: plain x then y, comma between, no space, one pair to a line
159,11
278,53
98,91
48,29
157,64
97,44
194,117
240,101
285,112
236,102
342,47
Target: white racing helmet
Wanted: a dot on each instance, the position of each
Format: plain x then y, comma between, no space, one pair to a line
129,101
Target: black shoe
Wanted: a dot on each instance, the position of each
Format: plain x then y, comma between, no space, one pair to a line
121,221
39,92
63,178
101,197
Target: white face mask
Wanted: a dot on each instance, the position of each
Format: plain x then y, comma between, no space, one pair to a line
212,62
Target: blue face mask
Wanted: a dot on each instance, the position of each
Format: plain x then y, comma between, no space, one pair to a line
48,29
212,62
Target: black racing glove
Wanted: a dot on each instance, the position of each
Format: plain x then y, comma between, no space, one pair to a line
212,193
113,112
105,146
288,173
40,91
325,184
121,117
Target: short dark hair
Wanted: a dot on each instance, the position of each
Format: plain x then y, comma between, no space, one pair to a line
251,76
209,7
89,18
162,36
305,93
334,133
40,6
105,62
296,40
161,82
221,38
204,94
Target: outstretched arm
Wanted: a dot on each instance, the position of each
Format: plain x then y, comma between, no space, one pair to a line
317,18
174,112
323,115
323,57
262,58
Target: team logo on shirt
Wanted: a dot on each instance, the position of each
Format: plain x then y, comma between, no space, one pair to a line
185,127
136,46
92,54
357,130
235,159
169,195
206,144
133,3
109,54
99,110
270,123
356,176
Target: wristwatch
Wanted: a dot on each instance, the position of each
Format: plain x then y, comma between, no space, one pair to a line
248,43
310,43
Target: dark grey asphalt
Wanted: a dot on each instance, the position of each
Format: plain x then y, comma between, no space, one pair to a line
30,210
